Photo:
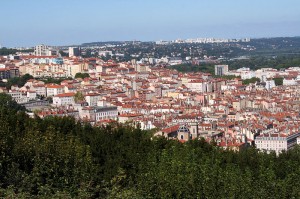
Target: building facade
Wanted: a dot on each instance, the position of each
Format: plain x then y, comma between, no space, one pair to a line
41,50
64,99
74,51
221,69
276,141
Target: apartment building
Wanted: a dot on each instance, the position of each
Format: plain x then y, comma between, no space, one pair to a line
64,99
54,89
99,113
276,141
221,69
74,51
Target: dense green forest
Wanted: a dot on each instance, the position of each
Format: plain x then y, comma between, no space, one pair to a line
254,63
62,158
188,68
264,61
12,51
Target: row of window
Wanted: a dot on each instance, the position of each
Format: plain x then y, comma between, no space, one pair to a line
267,146
107,113
269,141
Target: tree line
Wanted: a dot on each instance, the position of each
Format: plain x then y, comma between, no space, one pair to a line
12,51
22,80
254,62
63,158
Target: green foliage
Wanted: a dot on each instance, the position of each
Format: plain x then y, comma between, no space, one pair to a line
252,80
82,75
78,97
61,158
187,68
54,80
19,81
278,81
9,51
63,54
227,77
7,101
266,61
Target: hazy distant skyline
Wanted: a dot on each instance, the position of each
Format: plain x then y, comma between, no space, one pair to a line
67,22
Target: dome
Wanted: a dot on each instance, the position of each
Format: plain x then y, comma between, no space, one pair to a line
183,129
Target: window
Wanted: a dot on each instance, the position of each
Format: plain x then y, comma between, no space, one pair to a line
181,137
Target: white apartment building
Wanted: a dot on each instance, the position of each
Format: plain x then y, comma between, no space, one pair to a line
266,72
17,96
99,113
31,95
39,89
41,50
102,113
92,98
63,99
74,51
221,70
105,53
289,81
277,142
20,97
270,83
195,85
54,89
247,74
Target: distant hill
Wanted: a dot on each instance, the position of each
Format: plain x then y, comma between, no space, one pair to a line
275,44
101,43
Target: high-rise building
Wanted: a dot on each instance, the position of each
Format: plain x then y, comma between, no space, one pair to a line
221,69
74,51
41,50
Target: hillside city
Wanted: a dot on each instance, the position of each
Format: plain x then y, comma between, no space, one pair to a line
132,99
144,92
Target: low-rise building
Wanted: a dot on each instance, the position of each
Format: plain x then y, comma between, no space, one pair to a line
63,99
54,89
276,141
99,113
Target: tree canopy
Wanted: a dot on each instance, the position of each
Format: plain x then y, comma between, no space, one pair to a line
278,81
78,96
252,80
82,75
19,81
63,158
12,51
186,68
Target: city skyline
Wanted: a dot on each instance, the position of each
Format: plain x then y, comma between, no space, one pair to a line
75,22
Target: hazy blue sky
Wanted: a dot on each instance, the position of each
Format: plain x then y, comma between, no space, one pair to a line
65,22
